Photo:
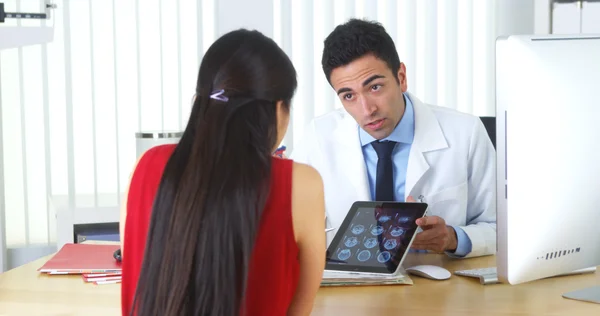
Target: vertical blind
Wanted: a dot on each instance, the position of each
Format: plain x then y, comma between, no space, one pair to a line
70,109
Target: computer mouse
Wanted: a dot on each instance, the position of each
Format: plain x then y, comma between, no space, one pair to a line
430,272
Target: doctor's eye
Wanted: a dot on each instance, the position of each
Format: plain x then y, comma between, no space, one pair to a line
348,97
376,87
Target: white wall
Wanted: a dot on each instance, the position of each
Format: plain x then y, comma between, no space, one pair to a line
542,16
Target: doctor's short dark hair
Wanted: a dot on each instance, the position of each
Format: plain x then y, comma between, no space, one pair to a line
355,39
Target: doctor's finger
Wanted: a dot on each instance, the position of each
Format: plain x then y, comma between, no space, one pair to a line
424,246
429,235
430,220
410,199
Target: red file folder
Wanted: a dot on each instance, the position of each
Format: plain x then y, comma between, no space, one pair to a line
83,258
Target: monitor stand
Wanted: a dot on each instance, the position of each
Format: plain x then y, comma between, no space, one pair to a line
590,294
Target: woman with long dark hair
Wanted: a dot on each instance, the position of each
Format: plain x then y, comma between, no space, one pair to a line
216,225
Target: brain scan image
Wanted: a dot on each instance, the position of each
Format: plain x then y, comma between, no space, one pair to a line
377,230
390,244
344,254
370,242
364,255
351,242
358,229
404,219
384,257
396,231
384,218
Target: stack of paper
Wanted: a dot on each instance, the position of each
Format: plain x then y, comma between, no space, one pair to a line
95,263
102,278
341,278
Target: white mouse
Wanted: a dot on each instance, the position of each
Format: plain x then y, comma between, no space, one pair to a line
430,272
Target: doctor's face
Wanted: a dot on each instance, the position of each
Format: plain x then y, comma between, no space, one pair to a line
371,93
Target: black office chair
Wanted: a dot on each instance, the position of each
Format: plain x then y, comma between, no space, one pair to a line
490,125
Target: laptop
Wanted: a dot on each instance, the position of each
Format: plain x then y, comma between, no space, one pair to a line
374,238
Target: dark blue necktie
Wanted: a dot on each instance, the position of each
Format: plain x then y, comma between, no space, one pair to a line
384,181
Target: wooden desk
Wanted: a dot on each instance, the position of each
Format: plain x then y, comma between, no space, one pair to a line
23,291
459,295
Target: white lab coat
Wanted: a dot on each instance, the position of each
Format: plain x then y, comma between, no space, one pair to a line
451,166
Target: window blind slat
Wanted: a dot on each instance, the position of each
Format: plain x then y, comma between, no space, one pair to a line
23,135
431,52
388,10
69,103
367,9
47,146
283,29
323,26
465,56
208,24
139,64
419,69
161,68
13,162
407,38
128,109
451,48
488,108
170,63
179,53
105,114
302,45
116,101
442,16
83,109
3,233
93,102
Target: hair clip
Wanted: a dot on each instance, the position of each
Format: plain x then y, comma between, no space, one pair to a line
219,96
280,151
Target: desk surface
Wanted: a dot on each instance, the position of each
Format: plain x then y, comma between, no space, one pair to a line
24,291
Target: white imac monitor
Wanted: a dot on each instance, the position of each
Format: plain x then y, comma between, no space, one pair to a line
548,155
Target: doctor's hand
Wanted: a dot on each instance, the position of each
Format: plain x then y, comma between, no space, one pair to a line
436,235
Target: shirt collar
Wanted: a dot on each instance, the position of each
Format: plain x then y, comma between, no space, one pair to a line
404,132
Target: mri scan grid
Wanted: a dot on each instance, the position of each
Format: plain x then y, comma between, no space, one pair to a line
375,238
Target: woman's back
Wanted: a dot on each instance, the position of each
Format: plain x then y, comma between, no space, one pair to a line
274,269
219,215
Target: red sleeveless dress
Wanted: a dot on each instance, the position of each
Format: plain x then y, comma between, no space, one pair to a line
274,267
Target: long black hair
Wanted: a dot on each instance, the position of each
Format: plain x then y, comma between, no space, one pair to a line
215,185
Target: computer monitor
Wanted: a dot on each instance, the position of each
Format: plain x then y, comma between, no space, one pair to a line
548,155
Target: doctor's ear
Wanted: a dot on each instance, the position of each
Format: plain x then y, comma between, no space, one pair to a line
402,77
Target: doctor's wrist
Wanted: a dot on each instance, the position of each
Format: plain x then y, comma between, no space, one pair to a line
452,243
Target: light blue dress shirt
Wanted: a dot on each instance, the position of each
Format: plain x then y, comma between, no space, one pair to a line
403,135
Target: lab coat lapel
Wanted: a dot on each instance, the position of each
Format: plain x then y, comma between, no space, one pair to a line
428,137
352,163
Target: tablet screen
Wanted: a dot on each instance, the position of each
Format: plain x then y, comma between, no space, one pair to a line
374,237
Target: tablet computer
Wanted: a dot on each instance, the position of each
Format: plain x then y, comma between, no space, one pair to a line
374,237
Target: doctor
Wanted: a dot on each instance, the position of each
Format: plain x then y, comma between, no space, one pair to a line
385,144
